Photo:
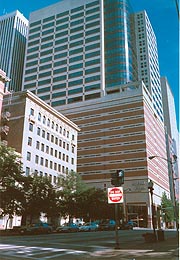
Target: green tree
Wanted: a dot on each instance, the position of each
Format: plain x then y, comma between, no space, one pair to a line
167,208
11,182
76,199
69,186
40,197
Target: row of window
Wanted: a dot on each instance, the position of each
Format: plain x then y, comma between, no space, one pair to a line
49,137
48,163
52,178
74,14
49,123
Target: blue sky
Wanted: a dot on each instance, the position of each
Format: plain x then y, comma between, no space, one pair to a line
164,19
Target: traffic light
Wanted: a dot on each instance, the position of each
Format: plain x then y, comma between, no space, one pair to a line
117,178
121,176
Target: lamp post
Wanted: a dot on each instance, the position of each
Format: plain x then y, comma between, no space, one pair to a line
150,187
173,185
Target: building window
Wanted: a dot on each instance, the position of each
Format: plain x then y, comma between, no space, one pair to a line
31,127
39,117
37,159
48,136
27,171
72,161
37,145
60,130
51,151
73,149
52,138
56,140
59,155
32,112
56,127
44,119
52,125
38,131
46,163
67,158
51,164
42,161
63,157
48,122
54,179
67,147
55,153
42,147
59,167
64,145
30,141
28,156
73,137
47,149
55,166
43,133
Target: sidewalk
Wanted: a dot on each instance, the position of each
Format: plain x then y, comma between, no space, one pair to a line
168,249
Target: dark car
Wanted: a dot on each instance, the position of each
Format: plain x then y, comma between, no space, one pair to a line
67,227
37,228
107,224
128,225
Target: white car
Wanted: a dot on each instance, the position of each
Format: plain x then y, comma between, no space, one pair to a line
89,227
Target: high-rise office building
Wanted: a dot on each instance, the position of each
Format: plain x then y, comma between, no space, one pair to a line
171,130
82,59
81,50
78,50
147,59
13,34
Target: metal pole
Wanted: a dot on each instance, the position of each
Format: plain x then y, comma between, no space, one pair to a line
174,199
116,227
152,208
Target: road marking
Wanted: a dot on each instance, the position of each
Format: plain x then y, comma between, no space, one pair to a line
32,252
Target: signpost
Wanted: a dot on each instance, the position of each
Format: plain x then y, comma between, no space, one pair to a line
115,196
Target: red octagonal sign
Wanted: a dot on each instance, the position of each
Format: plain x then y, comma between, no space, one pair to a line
115,195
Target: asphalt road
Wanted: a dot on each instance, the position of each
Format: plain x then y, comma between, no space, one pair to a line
64,246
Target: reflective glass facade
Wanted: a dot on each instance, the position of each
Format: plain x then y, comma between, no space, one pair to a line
118,53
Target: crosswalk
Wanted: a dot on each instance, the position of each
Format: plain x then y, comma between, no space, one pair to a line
41,253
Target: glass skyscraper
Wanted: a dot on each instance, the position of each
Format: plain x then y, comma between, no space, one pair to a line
78,50
84,49
13,34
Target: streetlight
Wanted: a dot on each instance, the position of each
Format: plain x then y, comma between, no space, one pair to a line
173,185
150,187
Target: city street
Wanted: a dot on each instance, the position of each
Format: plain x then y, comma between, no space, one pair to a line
82,245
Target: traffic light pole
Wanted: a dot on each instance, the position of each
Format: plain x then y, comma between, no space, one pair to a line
116,226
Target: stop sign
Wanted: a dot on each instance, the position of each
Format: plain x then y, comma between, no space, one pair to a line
115,195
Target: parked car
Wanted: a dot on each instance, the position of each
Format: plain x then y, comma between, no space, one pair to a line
128,225
108,224
68,227
89,226
37,228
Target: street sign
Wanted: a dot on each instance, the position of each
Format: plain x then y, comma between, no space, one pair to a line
115,195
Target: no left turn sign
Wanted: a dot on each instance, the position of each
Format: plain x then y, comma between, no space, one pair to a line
115,195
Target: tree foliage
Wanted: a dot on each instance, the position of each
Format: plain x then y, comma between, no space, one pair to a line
167,208
30,196
76,199
40,197
11,182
